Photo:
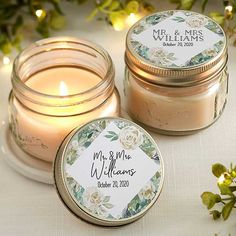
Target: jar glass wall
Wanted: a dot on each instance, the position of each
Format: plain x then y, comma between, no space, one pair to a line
58,85
172,110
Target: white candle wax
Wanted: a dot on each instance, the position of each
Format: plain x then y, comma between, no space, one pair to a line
76,80
161,109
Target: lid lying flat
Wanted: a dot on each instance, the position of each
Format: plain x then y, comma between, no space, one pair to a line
176,47
109,172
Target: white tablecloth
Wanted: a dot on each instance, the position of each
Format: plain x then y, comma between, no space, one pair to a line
31,208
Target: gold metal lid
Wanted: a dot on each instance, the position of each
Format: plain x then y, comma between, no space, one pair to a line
176,48
109,172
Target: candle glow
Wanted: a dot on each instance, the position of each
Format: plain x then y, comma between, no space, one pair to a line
118,25
6,60
229,8
131,19
39,13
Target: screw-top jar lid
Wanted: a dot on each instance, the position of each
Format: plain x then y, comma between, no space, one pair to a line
176,48
109,172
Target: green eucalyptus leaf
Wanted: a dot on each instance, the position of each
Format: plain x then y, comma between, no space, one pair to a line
114,6
149,8
106,198
56,1
218,17
86,144
108,205
225,190
114,138
17,41
233,170
6,48
18,23
101,19
3,39
57,21
187,4
209,199
233,173
218,169
105,4
43,29
225,2
112,132
117,16
81,1
132,7
56,7
179,19
92,14
215,214
204,3
232,188
103,124
218,198
9,11
175,1
234,43
90,135
227,209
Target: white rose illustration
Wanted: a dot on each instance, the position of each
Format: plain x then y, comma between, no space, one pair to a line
96,202
80,150
148,192
75,144
130,137
160,56
211,53
92,196
196,21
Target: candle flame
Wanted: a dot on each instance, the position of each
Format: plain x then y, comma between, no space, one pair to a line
63,89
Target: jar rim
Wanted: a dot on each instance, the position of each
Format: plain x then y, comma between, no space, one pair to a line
63,39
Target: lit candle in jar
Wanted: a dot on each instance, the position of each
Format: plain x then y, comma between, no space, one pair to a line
48,101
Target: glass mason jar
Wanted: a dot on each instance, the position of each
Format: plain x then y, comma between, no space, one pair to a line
176,79
59,84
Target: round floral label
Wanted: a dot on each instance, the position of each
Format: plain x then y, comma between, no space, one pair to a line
113,169
176,39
